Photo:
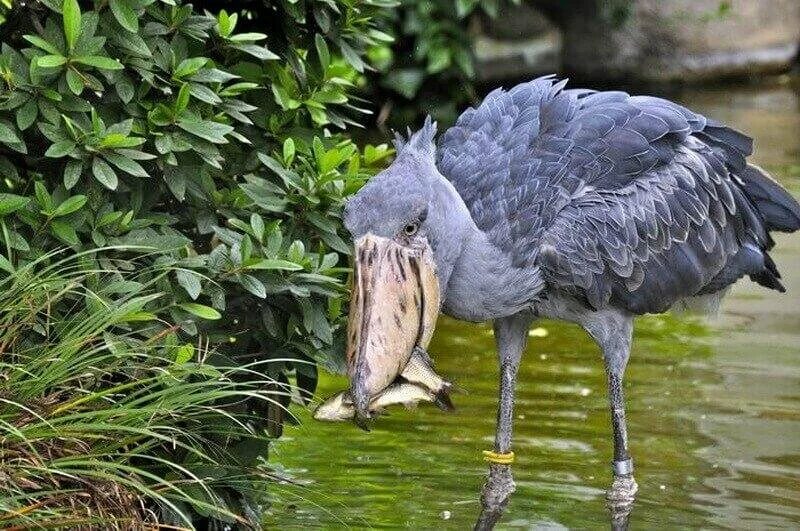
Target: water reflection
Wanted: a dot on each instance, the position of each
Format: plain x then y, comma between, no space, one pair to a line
713,410
618,511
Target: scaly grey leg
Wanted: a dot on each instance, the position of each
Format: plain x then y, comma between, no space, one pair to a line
511,335
613,331
624,487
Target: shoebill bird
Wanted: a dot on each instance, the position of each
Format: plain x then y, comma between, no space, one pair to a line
590,207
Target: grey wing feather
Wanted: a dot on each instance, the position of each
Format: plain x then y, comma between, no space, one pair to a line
635,200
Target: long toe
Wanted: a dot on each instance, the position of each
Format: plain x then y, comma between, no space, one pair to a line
496,491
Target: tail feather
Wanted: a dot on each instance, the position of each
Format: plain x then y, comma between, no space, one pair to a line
768,280
779,209
735,145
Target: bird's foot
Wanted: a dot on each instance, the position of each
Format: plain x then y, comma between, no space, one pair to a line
620,498
623,490
496,491
620,513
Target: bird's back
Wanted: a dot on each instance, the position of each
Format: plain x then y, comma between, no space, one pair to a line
633,201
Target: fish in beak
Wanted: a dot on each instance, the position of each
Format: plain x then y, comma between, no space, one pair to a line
417,383
340,407
393,309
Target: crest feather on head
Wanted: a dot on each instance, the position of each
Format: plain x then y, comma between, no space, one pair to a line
422,142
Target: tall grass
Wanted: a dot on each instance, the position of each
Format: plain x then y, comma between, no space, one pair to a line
103,427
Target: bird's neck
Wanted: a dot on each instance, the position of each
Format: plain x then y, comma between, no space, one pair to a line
478,280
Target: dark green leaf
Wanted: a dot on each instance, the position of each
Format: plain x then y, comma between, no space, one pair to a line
65,232
260,52
248,37
11,202
60,149
352,57
203,93
257,224
98,61
125,164
124,88
16,241
26,115
190,282
212,131
5,265
405,81
72,173
104,173
253,285
70,205
42,197
322,51
43,44
51,61
125,15
74,82
7,134
8,169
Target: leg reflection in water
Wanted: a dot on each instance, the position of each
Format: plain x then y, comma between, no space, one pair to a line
500,485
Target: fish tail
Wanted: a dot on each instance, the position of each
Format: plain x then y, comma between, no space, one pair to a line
450,387
442,399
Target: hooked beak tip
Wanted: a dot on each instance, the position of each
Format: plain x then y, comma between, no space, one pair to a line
362,421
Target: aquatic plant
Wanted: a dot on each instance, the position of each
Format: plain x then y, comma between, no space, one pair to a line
107,417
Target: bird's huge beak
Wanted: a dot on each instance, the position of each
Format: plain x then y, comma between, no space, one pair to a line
394,308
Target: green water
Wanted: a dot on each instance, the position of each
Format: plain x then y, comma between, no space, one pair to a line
713,409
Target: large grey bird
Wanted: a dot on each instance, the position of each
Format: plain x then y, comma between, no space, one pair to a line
591,207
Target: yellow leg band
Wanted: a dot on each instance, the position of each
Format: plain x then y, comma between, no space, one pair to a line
498,458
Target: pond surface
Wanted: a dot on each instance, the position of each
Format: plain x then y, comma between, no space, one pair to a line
713,408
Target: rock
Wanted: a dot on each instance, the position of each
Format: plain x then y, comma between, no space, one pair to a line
501,60
681,40
645,40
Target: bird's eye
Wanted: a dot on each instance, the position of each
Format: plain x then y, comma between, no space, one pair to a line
411,229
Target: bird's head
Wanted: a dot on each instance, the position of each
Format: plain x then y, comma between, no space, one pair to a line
408,225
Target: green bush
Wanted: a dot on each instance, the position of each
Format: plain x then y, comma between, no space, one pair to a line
136,122
204,154
429,67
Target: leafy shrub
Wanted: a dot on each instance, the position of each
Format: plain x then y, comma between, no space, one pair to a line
143,123
429,66
106,428
205,158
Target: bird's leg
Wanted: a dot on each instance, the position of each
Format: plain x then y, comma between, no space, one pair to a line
616,351
624,486
613,330
511,334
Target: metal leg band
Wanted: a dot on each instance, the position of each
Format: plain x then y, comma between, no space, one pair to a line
622,468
